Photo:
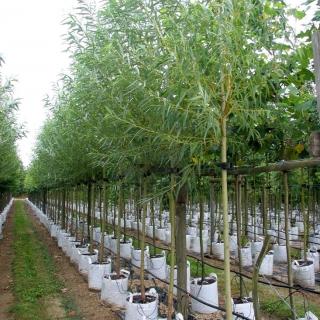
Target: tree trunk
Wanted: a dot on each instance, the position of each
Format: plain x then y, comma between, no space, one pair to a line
91,213
118,235
224,190
103,214
143,236
239,238
255,276
181,255
63,209
287,223
89,222
201,227
172,248
212,214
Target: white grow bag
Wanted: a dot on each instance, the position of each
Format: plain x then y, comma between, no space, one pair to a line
168,236
218,250
84,261
233,242
246,256
192,231
142,311
315,241
77,251
107,238
196,244
256,246
161,234
300,225
149,231
266,267
188,241
206,292
312,254
134,225
115,291
303,273
66,243
125,249
157,266
96,273
53,231
70,248
280,253
113,244
309,316
294,232
273,235
136,257
244,309
61,237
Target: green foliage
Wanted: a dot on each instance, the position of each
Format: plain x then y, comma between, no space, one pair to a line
11,169
148,82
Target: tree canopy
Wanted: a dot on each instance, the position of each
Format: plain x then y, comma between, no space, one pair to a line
11,169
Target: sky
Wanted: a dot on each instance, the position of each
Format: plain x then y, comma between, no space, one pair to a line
32,46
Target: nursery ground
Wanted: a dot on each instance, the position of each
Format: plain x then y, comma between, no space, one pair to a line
83,304
74,301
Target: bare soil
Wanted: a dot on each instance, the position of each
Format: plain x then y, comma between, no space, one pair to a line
6,257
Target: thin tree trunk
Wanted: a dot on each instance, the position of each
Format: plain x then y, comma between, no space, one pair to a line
224,189
239,238
153,226
201,228
143,236
91,213
118,236
181,255
138,212
286,211
89,222
264,210
212,214
63,210
172,249
77,213
71,212
103,212
255,276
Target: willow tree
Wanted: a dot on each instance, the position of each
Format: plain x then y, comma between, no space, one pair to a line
166,83
203,67
11,168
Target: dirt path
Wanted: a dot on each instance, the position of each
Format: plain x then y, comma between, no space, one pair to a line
85,302
6,258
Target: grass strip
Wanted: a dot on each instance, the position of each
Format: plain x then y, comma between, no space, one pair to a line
37,291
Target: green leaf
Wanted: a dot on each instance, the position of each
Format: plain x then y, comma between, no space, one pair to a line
303,34
293,90
316,16
270,11
308,105
308,2
306,75
299,14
